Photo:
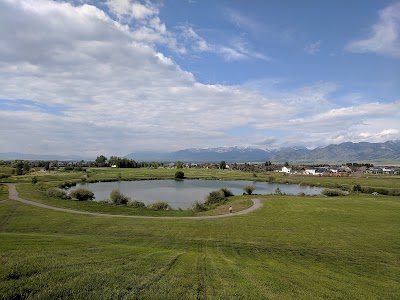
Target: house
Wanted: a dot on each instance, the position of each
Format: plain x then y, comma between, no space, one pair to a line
309,171
286,170
375,170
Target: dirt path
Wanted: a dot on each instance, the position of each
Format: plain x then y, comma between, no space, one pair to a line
13,195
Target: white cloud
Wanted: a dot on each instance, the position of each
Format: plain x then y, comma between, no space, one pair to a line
128,9
116,93
384,38
236,49
313,48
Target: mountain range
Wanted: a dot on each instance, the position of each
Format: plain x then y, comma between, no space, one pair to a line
345,152
338,153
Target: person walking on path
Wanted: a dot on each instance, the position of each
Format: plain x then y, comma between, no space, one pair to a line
230,209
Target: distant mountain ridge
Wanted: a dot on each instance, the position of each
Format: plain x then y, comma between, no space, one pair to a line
344,152
23,156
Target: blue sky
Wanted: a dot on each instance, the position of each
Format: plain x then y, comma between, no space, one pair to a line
117,76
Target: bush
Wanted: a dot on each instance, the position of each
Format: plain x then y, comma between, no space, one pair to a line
159,206
118,198
215,197
198,206
34,180
57,193
332,192
249,189
179,175
136,204
82,194
357,188
227,193
66,184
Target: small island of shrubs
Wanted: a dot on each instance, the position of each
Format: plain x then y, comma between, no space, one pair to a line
214,198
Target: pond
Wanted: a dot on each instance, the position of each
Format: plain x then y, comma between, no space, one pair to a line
184,193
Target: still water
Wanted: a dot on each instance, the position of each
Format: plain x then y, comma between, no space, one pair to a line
183,194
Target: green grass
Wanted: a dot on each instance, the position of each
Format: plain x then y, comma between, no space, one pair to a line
292,248
389,182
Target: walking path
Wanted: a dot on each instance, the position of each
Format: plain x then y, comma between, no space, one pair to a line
13,195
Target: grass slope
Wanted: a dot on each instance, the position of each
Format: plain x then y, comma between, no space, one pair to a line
292,248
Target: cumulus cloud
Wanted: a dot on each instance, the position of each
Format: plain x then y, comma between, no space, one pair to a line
127,9
85,83
384,38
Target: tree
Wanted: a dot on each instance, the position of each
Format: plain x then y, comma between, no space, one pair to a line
179,164
101,161
19,166
222,165
286,164
179,175
249,189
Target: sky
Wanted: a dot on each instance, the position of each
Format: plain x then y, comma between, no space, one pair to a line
111,77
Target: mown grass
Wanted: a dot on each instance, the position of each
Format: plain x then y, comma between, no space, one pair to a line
3,192
292,248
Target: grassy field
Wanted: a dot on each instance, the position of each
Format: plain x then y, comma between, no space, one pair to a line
292,248
102,174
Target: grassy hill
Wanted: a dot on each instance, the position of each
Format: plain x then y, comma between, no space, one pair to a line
292,248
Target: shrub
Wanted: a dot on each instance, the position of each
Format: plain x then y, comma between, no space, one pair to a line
357,188
332,192
159,206
118,198
227,193
82,194
179,175
278,191
66,184
34,180
136,204
199,206
249,189
57,193
301,194
215,197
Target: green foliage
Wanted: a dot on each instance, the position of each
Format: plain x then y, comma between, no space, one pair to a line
118,198
82,194
136,204
278,191
179,175
357,188
227,192
57,193
66,184
333,192
215,197
248,189
34,180
222,165
199,206
179,165
101,161
159,206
